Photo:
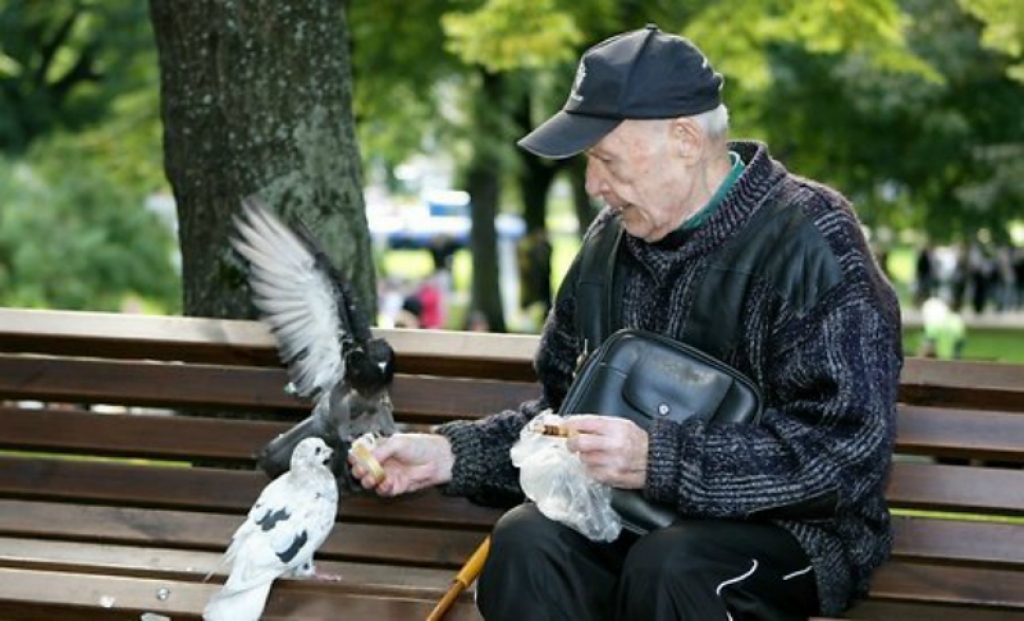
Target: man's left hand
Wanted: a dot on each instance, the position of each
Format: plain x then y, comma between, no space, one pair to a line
614,450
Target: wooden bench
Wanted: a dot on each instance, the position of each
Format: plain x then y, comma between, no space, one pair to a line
111,515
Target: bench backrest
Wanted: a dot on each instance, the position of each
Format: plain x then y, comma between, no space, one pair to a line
960,447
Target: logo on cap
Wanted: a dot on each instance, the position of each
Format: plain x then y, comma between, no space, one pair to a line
581,72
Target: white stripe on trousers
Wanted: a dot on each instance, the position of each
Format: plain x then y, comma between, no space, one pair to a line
740,578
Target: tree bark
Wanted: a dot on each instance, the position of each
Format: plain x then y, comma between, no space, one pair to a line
534,185
256,98
484,186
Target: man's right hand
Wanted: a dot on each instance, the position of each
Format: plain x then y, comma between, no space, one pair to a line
411,461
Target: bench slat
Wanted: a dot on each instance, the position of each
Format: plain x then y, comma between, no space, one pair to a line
249,343
196,566
955,542
956,433
913,486
954,488
417,399
211,490
949,585
482,355
959,433
926,540
350,541
900,611
135,435
31,594
985,385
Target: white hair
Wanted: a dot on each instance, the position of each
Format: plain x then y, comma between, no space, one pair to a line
714,122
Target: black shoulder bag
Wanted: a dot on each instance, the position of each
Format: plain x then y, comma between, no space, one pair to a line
644,376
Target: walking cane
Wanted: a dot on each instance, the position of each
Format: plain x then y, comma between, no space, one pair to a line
462,580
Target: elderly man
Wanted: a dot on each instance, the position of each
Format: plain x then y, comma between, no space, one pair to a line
726,250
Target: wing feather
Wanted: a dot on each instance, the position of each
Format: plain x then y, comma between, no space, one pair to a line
297,298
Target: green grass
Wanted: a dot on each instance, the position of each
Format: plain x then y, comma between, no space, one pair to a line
97,458
967,517
988,344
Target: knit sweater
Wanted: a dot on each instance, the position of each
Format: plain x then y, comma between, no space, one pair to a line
828,368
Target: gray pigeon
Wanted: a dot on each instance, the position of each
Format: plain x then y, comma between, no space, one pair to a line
290,520
322,335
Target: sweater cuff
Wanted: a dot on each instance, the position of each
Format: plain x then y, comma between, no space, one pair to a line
468,469
667,442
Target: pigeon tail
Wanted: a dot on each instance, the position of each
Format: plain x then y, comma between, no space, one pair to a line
244,605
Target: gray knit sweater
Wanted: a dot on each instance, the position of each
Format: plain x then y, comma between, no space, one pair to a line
829,373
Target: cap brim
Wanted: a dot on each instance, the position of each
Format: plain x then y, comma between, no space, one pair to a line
566,134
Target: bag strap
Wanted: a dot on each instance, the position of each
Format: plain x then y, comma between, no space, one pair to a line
596,285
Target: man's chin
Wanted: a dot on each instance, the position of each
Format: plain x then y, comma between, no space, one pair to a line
636,227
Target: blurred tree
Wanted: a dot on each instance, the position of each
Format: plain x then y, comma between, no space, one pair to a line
1004,29
257,99
62,64
404,77
79,122
73,238
936,150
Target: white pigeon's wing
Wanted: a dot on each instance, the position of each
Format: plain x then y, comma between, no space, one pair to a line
297,297
289,521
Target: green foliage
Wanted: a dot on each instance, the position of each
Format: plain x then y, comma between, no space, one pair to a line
869,29
401,71
939,155
79,111
511,34
1004,29
72,238
62,64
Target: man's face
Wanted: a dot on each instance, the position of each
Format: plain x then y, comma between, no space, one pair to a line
639,168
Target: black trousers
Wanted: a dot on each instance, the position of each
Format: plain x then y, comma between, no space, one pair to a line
692,571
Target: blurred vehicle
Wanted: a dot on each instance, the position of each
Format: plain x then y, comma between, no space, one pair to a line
441,215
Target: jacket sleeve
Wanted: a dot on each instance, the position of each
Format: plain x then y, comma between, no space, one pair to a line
825,441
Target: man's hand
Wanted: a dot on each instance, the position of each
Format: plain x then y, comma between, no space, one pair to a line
411,461
614,450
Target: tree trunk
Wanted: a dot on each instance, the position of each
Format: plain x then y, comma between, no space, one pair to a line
484,185
256,98
535,184
536,175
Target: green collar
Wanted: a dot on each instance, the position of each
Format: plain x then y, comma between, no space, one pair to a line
716,200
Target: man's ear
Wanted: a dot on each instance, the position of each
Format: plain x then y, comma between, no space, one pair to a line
688,140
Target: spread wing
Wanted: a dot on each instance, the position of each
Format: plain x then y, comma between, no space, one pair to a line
298,295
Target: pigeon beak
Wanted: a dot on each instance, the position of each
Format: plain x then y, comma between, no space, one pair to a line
382,366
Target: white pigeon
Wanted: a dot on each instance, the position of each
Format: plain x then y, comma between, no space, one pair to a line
322,333
289,522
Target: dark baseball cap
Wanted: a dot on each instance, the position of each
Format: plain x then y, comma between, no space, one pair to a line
643,74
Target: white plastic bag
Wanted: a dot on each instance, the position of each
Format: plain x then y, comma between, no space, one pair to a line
555,479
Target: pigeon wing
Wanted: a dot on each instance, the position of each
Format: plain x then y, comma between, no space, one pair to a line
298,296
288,523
